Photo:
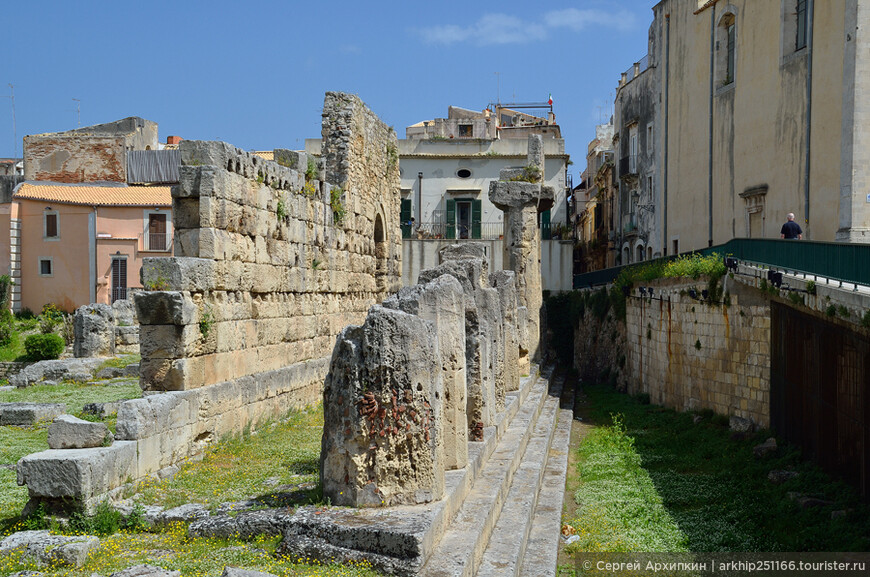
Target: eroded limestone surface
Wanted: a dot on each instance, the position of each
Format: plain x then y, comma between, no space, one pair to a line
382,424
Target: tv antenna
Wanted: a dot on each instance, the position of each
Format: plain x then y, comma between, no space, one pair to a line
78,111
14,132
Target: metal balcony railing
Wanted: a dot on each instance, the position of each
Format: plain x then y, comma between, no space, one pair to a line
628,165
440,230
156,241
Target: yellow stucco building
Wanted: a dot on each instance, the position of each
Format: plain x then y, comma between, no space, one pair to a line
765,110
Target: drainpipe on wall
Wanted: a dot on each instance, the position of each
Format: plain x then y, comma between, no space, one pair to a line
665,119
809,117
92,248
710,139
419,198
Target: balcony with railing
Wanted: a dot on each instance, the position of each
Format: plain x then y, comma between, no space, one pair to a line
156,242
441,230
628,166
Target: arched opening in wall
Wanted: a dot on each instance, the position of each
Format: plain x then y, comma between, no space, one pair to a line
639,249
380,254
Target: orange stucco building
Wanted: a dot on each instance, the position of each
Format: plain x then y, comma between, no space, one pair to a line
74,244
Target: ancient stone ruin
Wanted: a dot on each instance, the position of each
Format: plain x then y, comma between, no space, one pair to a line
421,377
273,260
520,194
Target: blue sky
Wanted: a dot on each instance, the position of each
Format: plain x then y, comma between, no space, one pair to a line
253,74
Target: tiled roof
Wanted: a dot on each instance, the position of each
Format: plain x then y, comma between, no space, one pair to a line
265,154
95,194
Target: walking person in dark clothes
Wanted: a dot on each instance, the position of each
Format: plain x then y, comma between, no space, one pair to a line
791,230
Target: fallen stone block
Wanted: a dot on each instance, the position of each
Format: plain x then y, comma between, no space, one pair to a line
165,308
146,571
765,448
78,477
739,425
56,370
124,313
242,525
183,514
94,327
43,547
69,432
235,572
23,414
102,410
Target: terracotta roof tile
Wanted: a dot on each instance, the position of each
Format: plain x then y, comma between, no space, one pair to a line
96,194
265,154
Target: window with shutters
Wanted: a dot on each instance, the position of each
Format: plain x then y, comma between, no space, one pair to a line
119,278
50,225
156,231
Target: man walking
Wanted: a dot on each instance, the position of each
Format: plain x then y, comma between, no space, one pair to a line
791,230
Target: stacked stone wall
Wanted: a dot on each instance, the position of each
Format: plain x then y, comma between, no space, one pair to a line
271,264
691,355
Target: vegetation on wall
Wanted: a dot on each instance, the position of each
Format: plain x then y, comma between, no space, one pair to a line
336,204
531,173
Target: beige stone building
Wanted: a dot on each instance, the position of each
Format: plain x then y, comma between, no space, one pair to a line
763,105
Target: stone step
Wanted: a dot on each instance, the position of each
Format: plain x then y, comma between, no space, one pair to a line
506,547
459,551
540,559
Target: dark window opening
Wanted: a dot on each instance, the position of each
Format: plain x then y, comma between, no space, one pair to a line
45,267
729,66
51,226
463,173
801,31
466,130
119,279
157,232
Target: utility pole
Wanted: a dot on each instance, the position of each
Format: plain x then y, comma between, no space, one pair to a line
78,111
14,131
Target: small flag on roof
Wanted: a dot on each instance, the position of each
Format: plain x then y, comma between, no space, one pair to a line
550,100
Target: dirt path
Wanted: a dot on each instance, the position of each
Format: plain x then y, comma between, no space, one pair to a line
580,427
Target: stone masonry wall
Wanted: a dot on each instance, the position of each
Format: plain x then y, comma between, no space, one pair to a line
271,264
691,355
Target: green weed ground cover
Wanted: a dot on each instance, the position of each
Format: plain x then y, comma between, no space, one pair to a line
653,480
278,464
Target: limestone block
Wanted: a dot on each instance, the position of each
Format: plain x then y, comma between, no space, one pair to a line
146,571
165,308
201,152
443,302
170,374
382,440
78,474
94,327
463,250
506,195
42,547
23,414
291,159
168,341
124,312
234,572
69,432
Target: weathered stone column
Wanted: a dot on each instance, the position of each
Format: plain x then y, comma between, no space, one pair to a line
382,427
855,140
483,340
520,195
443,302
504,281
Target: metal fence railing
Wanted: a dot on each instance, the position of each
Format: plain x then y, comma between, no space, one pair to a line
441,230
834,261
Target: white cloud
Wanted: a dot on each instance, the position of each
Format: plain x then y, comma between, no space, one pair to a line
494,29
490,29
577,19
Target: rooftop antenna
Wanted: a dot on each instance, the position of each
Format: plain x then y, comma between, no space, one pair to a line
14,132
498,88
78,110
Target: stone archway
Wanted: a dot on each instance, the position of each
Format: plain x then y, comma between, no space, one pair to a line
380,253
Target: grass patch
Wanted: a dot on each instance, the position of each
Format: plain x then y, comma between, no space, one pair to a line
75,396
286,453
173,550
119,362
711,487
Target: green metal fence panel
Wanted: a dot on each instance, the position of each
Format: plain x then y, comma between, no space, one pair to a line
840,262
